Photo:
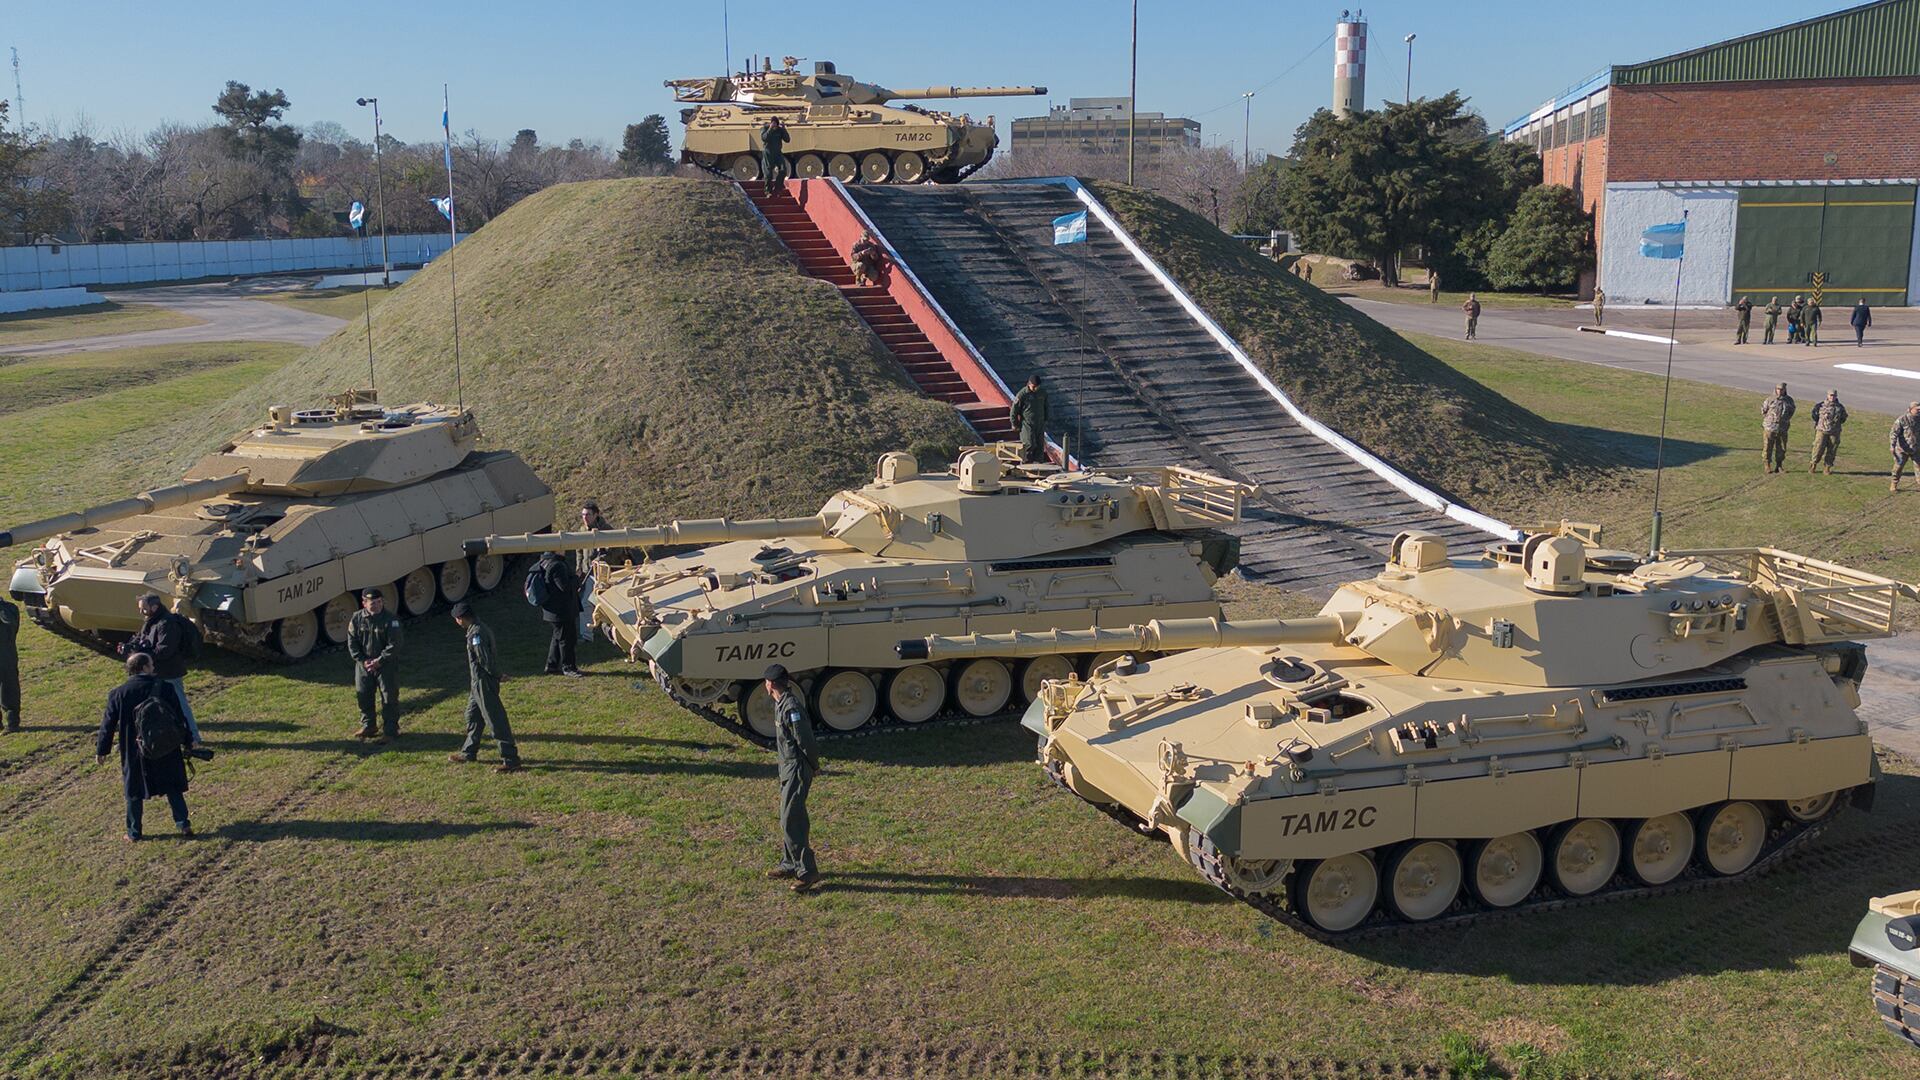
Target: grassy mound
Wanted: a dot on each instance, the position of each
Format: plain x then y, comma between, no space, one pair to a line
1346,370
643,341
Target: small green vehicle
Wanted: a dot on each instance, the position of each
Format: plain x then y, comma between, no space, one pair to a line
1888,941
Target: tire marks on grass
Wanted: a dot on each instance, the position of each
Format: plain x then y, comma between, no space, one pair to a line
153,921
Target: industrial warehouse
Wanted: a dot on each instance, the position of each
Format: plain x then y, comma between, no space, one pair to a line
1789,152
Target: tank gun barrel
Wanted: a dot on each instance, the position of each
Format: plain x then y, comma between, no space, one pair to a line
1160,635
160,498
928,92
702,531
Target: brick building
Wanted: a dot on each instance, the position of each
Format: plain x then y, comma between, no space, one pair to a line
1789,151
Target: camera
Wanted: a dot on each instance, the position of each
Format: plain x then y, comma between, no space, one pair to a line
199,753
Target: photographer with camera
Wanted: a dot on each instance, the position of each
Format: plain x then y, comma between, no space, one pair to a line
145,715
170,640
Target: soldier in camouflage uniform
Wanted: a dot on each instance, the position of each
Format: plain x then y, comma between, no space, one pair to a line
1828,417
1904,442
373,636
1776,418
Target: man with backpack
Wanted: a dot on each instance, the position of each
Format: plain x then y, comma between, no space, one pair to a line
147,717
554,588
9,667
171,640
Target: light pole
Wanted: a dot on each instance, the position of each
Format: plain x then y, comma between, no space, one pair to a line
1246,126
1410,69
1133,87
380,192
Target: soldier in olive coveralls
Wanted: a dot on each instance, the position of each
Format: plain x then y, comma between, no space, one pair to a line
484,709
373,636
1029,415
799,760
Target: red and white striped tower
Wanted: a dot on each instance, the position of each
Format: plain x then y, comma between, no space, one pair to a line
1350,64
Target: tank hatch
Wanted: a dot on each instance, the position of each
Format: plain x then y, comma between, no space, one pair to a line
352,445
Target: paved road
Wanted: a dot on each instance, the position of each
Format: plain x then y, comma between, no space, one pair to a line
1809,373
1890,697
228,312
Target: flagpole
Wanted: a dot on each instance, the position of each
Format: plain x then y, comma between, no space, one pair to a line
367,301
1666,390
453,239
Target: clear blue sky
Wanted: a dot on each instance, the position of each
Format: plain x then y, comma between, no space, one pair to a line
585,68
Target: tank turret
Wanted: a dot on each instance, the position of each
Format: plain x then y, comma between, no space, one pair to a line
981,546
267,541
836,125
1462,735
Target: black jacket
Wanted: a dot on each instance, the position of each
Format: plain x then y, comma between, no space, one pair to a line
164,639
9,630
144,779
563,589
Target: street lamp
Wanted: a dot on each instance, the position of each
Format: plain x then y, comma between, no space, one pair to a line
1246,148
1409,40
380,191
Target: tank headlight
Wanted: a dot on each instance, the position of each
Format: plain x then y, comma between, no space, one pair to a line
26,582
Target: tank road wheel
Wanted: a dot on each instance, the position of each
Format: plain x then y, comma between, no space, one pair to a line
844,700
1584,856
1505,870
1250,877
296,636
391,592
1042,669
489,571
875,168
418,591
756,708
909,168
914,695
744,168
809,167
335,616
1422,879
982,687
454,577
1659,848
1335,894
843,168
1731,837
1811,809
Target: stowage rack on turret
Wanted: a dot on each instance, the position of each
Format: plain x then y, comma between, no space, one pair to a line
986,546
1548,723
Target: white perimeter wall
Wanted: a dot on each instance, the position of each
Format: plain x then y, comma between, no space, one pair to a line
1631,278
38,299
24,268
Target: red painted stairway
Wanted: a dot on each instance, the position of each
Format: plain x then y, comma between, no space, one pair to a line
929,368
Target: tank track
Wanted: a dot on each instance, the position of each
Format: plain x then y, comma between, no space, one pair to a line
1783,839
1896,997
879,725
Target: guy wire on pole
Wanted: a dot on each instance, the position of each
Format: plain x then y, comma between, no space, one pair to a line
1666,389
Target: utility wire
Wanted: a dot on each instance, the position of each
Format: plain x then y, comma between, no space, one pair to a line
1310,54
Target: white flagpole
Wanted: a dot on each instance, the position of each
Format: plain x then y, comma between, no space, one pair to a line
367,302
453,239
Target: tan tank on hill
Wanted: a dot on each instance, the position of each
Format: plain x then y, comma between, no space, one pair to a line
986,545
266,541
1454,736
1888,941
838,126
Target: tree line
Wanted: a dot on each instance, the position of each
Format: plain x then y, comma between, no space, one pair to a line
1424,176
249,173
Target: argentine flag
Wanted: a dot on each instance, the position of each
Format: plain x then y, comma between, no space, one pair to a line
1070,228
1664,241
444,204
356,213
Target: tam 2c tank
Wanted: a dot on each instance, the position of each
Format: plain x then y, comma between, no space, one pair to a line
1543,722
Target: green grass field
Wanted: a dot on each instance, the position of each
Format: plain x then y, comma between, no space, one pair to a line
378,912
32,328
351,302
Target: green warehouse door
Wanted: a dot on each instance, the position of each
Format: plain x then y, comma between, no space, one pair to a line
1862,236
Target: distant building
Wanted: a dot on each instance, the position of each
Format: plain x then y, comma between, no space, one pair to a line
1099,126
1790,151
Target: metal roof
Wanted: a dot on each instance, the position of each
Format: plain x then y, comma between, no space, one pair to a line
1585,88
1876,40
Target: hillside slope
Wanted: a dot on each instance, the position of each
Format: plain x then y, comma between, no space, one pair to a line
643,341
1347,370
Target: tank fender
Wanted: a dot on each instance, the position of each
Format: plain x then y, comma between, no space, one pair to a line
1209,813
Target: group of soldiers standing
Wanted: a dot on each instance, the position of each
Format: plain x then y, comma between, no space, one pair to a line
1829,417
1803,320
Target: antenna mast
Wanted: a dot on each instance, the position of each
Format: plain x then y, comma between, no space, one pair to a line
19,99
